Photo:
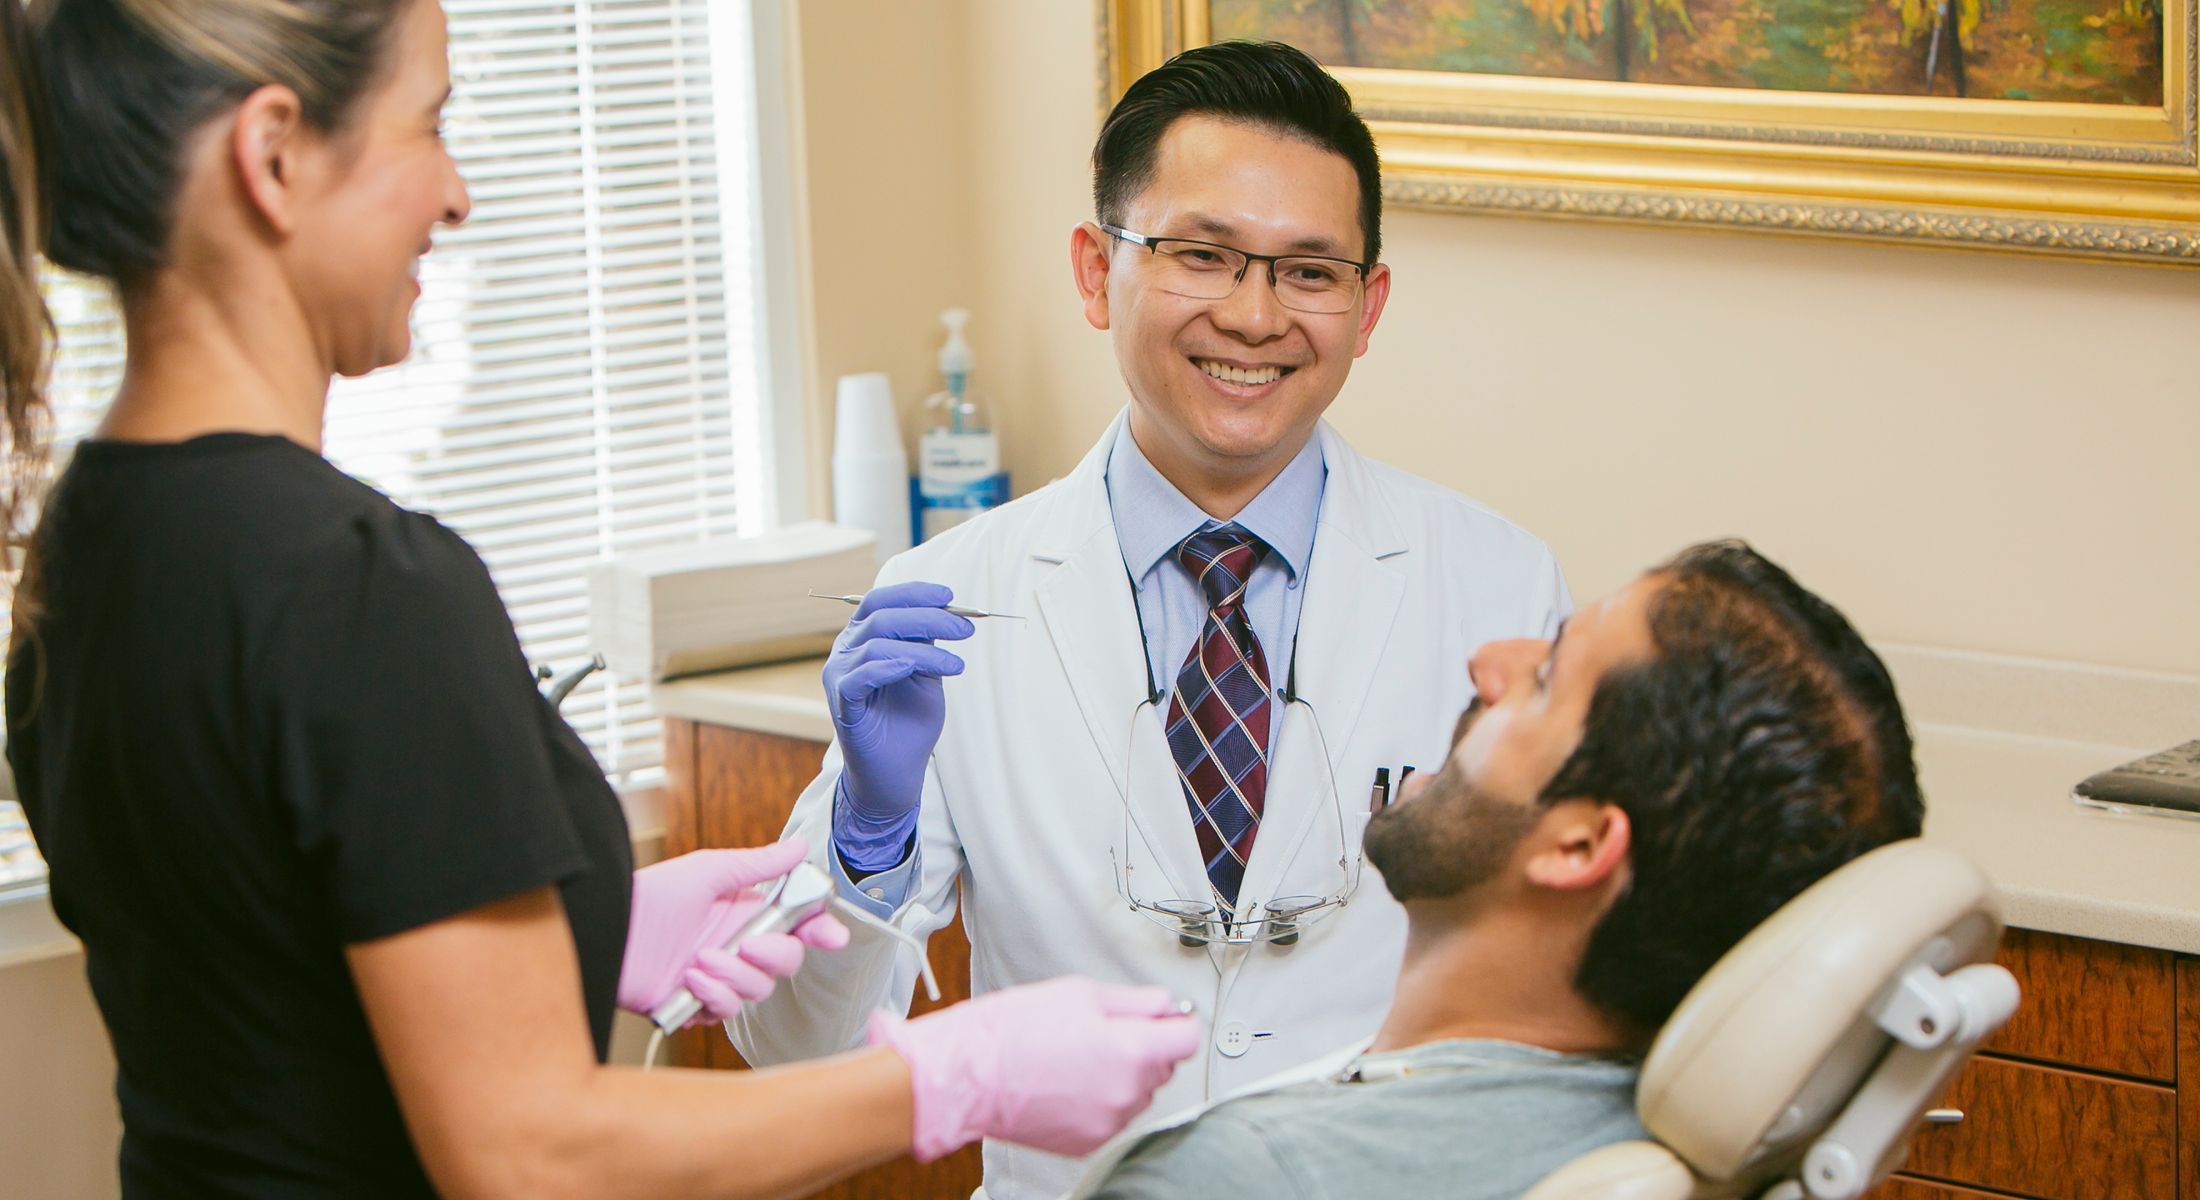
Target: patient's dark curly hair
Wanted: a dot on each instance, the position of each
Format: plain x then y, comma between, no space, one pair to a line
1760,748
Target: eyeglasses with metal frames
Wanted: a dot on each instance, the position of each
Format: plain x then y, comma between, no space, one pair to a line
1308,283
1277,920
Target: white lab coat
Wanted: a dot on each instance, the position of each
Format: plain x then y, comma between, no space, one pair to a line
1024,803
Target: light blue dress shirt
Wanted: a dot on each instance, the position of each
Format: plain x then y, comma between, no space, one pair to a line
1151,518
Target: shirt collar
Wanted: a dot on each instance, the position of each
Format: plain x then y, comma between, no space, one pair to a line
1468,1053
1152,516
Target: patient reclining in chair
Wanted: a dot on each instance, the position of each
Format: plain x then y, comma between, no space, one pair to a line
1618,809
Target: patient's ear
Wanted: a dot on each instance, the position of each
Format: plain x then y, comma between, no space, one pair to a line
1584,844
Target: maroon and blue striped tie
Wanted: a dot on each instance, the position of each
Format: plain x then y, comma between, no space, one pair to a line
1218,715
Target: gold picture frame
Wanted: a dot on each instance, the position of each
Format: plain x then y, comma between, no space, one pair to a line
2100,181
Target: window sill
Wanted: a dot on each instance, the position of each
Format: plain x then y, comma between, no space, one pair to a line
645,811
29,932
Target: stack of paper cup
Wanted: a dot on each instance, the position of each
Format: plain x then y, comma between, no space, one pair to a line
870,469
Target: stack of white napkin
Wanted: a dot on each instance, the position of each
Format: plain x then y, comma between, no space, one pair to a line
708,606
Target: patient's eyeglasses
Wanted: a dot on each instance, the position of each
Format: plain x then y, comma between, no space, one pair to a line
1204,920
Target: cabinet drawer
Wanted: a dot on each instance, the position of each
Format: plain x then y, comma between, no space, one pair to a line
2053,1133
2097,1005
1904,1188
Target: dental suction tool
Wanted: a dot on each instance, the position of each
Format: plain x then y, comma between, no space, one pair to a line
803,893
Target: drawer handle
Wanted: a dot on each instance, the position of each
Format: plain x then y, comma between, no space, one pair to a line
1943,1116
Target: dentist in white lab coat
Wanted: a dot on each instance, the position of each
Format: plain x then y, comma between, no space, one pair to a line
1222,580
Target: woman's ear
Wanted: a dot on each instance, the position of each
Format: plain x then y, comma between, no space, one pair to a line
1587,845
266,148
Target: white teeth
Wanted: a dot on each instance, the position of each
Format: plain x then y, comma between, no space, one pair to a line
1250,376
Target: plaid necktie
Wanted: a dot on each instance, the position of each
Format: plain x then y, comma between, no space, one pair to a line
1218,715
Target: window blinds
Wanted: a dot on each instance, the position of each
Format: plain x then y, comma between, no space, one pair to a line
581,342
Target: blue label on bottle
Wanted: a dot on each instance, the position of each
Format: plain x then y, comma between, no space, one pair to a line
939,507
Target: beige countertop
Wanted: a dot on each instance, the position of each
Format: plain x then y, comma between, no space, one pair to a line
784,698
2005,803
2000,741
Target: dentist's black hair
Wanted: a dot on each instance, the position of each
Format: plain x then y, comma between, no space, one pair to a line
1758,750
1268,84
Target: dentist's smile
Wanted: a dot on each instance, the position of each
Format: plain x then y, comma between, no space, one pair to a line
1241,379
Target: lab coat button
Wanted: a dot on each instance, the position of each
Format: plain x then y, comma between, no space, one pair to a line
875,893
1234,1039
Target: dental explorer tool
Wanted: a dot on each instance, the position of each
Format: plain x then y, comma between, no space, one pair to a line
957,609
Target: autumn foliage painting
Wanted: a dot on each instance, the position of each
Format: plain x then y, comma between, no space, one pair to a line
2085,51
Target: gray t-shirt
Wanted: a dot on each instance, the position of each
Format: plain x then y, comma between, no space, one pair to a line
1465,1120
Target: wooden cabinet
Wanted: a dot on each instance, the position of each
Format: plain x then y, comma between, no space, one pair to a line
2091,1091
2093,1005
2052,1133
728,787
2188,1078
1905,1188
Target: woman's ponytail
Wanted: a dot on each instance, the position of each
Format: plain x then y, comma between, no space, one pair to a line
26,329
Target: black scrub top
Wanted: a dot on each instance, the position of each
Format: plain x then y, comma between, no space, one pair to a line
267,713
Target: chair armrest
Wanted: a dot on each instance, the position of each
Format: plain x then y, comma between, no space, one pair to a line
1621,1171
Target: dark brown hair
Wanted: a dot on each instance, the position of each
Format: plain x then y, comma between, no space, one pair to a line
26,329
1760,748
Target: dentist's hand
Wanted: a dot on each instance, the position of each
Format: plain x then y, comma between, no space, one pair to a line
1061,1066
883,686
684,910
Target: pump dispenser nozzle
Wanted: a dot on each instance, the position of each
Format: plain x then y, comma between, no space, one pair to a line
955,365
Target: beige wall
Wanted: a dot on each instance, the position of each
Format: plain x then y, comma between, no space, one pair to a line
886,141
58,1124
1963,450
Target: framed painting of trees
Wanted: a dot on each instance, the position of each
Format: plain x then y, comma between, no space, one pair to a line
2056,126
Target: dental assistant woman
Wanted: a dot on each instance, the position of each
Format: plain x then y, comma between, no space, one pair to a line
356,904
1235,622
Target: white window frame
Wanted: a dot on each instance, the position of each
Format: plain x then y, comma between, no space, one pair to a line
785,329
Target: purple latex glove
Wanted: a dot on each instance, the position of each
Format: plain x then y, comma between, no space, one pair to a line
686,908
883,685
1061,1066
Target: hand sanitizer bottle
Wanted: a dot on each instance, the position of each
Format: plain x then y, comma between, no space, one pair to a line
958,460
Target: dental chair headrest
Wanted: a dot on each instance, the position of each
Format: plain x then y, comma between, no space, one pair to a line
1772,1043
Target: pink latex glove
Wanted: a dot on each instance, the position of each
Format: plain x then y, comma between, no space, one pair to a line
684,910
1061,1066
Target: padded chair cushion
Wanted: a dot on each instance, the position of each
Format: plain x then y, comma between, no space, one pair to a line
1620,1171
1775,1038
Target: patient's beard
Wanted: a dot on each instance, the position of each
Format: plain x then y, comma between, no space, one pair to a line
1449,838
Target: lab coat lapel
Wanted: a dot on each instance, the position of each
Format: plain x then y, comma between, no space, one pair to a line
1353,592
1085,603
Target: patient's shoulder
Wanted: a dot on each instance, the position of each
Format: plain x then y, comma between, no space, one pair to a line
1473,1120
1229,1153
